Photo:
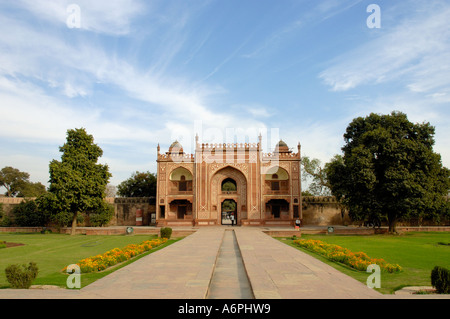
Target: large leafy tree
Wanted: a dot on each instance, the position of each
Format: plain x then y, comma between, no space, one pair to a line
389,170
12,179
77,182
140,184
30,189
312,170
18,183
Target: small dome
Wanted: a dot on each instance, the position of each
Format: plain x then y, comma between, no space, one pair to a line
282,147
176,144
175,148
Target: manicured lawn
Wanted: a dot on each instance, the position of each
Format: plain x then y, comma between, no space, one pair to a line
53,252
416,252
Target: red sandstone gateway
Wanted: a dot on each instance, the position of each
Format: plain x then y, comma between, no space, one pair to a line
224,180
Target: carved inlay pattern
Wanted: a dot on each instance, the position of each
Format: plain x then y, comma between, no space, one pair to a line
229,172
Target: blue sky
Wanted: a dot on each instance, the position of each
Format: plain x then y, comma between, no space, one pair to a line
138,73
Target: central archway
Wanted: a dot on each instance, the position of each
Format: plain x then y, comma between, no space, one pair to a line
230,184
228,211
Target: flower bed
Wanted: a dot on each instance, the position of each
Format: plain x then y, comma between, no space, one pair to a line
358,260
116,255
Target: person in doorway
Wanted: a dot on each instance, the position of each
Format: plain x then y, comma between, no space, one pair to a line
297,223
232,219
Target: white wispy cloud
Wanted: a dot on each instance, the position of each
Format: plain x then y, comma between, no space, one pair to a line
103,16
416,50
258,111
413,56
47,85
315,13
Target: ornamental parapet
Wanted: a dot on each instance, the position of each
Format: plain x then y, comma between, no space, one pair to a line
272,156
319,199
176,157
230,146
134,200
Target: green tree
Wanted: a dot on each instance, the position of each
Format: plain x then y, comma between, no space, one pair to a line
77,182
336,176
229,205
17,183
27,213
229,186
312,169
12,179
30,189
140,184
102,216
389,170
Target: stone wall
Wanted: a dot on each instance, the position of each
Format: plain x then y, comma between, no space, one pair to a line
325,210
8,203
322,211
125,210
316,210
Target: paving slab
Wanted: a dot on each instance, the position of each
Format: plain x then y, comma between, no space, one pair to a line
276,270
184,270
179,271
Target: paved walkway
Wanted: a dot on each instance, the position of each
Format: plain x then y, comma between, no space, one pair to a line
229,279
195,265
278,271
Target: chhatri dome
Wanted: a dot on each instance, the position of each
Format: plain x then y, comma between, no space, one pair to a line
176,147
282,147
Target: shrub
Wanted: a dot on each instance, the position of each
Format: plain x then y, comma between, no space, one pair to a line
116,255
21,276
102,216
358,260
166,232
440,279
2,244
28,214
45,230
5,221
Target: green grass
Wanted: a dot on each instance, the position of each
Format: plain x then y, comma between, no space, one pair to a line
52,252
416,252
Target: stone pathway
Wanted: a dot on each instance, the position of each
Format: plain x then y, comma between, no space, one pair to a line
279,271
229,280
207,263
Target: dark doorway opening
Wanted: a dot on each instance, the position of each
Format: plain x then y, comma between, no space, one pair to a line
276,211
229,212
278,207
181,211
181,208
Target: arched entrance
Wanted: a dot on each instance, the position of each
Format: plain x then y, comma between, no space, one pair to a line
277,209
180,209
228,185
229,211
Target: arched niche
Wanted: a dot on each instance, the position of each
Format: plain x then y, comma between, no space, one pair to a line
276,173
217,196
180,174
